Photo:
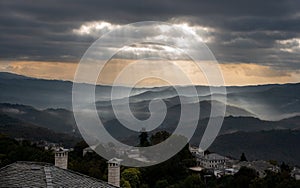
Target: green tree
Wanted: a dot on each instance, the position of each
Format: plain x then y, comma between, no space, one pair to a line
161,184
173,170
95,172
159,137
78,148
125,183
244,177
133,176
193,181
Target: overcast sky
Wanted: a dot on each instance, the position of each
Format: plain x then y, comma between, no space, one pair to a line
258,41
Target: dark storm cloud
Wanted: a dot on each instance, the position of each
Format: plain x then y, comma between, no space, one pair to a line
129,11
244,31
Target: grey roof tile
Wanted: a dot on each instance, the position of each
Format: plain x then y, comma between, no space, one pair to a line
33,174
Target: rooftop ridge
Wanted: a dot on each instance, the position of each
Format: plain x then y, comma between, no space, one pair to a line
26,162
48,175
34,162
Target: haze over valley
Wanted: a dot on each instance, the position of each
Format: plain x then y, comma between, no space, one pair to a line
46,105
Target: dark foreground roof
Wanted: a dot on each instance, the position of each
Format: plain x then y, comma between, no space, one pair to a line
33,174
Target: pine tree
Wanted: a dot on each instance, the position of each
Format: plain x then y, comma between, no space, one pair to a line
144,142
243,157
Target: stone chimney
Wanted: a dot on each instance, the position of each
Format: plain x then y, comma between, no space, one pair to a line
114,171
61,158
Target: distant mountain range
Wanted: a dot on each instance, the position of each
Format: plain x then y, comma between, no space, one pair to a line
261,121
268,102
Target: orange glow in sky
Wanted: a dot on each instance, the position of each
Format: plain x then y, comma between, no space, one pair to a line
233,73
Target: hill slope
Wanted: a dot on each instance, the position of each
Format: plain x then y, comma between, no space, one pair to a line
58,120
280,145
16,128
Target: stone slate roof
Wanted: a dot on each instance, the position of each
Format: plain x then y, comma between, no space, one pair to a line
211,156
34,174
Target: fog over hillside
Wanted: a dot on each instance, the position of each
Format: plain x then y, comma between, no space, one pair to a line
267,102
